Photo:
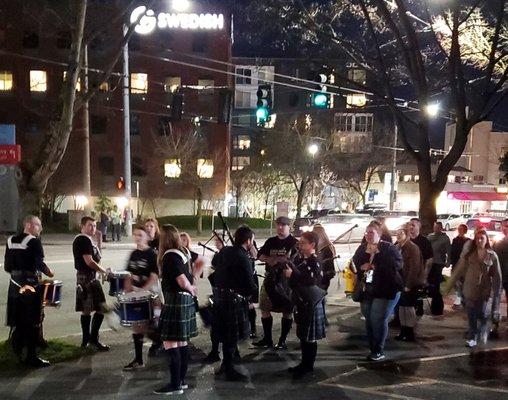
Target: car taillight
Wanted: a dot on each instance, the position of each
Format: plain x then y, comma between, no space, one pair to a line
485,220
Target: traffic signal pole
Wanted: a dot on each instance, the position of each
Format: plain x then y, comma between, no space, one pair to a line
127,137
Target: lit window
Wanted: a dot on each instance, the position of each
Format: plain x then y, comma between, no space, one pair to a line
38,81
407,178
5,81
139,83
104,87
205,168
355,100
357,75
78,83
451,178
241,142
172,84
417,178
172,168
239,163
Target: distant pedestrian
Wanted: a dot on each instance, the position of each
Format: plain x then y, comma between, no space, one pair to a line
482,286
425,248
116,223
152,228
441,246
104,224
501,249
457,247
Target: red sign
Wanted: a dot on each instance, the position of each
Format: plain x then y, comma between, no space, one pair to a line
10,154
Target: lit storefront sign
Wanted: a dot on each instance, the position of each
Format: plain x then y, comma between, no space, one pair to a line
191,21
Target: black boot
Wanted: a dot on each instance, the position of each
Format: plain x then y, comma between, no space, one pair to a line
85,329
32,336
184,364
252,321
227,365
410,334
267,340
94,334
403,334
286,324
138,347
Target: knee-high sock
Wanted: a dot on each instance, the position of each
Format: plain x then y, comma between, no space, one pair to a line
286,324
309,351
96,325
184,361
85,328
267,328
32,335
252,320
173,359
138,346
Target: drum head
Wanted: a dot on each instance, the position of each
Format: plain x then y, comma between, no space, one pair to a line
133,297
120,274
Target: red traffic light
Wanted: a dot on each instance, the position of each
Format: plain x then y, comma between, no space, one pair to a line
120,184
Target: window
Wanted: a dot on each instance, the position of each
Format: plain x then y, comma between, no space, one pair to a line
30,40
243,99
357,75
205,168
206,83
344,122
135,125
139,83
106,166
355,100
63,40
241,142
363,123
78,83
417,178
172,168
265,75
239,163
172,84
104,87
137,167
98,124
38,81
246,78
407,178
5,81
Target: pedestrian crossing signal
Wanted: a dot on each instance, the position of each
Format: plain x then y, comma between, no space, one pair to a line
120,183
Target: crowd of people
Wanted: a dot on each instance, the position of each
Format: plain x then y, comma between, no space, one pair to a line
392,281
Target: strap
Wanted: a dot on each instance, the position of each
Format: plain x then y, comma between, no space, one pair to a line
19,246
180,253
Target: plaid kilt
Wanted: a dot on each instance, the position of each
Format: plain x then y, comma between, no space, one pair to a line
89,293
178,317
310,323
230,322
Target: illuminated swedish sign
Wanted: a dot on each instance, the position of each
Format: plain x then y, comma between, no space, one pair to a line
191,21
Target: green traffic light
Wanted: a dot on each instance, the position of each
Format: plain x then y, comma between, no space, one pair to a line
262,114
320,100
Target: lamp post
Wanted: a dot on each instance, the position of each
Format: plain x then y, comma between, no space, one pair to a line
313,150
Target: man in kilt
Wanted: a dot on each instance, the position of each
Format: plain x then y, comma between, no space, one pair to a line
89,294
234,284
305,276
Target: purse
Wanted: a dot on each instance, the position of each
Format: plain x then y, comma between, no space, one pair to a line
358,291
310,295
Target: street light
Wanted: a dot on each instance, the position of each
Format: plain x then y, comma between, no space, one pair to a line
432,109
181,5
313,149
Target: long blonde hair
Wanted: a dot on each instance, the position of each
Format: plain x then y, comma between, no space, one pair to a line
157,230
324,240
169,239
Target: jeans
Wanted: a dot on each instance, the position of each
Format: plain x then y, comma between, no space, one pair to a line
477,311
377,312
434,279
115,232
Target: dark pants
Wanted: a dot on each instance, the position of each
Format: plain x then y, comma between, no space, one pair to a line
116,232
27,319
434,279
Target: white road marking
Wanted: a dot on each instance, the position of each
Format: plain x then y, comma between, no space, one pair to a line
371,391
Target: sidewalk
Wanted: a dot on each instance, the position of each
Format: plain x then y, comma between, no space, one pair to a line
340,365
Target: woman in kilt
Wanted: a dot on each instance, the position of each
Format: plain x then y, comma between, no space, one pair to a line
178,317
305,276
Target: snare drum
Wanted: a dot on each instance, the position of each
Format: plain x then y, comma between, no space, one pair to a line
117,281
51,293
135,308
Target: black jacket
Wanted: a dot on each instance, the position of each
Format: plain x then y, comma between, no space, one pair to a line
387,278
233,270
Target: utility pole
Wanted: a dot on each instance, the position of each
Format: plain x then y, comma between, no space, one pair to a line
127,136
393,193
87,187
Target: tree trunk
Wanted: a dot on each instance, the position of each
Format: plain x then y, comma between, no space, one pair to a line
299,198
428,197
267,198
199,211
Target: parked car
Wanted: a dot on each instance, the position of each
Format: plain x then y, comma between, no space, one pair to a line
395,219
451,221
490,224
335,225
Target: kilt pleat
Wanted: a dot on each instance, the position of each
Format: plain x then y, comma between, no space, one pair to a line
178,317
230,316
89,293
310,323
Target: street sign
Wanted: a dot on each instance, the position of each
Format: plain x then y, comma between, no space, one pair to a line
10,154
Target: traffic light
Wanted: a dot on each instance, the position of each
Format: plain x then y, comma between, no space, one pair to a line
120,184
320,99
176,107
264,104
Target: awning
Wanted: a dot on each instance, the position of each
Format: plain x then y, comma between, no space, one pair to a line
477,196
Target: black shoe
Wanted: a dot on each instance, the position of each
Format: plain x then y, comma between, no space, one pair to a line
42,343
281,345
169,390
262,344
253,335
376,357
400,337
99,346
153,351
211,358
233,375
133,365
493,334
184,385
300,370
37,362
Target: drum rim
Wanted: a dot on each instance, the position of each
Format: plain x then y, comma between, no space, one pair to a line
133,299
118,274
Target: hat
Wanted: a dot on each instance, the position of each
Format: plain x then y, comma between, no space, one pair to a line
282,221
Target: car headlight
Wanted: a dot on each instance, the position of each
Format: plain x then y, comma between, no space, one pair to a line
497,237
306,228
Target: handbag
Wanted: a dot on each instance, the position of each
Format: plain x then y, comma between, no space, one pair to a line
310,295
358,291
